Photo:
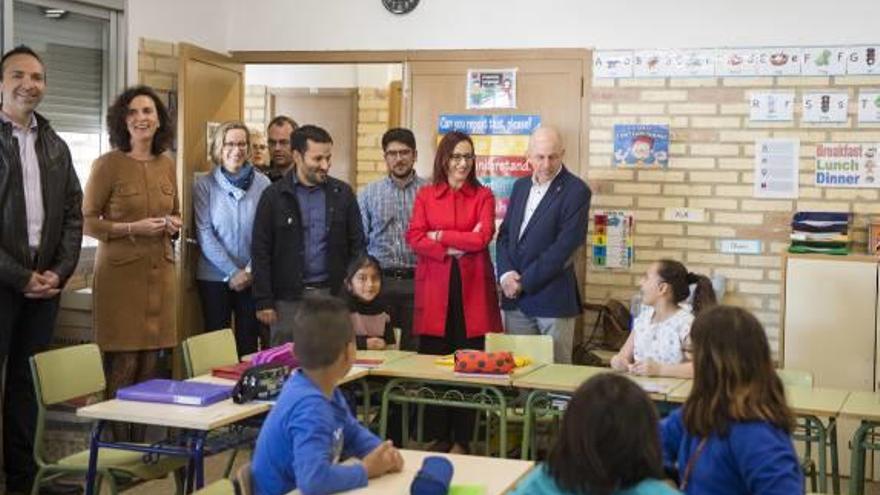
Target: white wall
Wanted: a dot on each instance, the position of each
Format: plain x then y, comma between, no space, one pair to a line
365,25
604,24
323,76
201,22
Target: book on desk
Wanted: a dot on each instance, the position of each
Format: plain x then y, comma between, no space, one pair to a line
188,393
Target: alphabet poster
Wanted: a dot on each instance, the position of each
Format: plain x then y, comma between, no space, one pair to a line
825,107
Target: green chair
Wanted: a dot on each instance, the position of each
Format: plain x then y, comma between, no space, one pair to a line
202,353
223,486
805,428
68,373
538,347
209,350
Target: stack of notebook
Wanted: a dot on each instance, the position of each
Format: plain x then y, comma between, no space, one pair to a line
820,232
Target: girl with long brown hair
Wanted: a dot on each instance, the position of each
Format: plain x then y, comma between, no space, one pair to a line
732,436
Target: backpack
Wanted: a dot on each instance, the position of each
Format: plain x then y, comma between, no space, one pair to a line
610,331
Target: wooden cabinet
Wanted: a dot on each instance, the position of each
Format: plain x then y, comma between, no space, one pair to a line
830,328
830,319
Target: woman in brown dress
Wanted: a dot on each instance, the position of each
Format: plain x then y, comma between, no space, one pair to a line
131,207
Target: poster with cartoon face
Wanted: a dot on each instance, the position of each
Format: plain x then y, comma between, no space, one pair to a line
641,145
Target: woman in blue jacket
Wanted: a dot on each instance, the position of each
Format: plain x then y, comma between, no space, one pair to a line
732,436
225,201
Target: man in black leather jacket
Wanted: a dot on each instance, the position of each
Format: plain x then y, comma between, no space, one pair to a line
40,237
307,229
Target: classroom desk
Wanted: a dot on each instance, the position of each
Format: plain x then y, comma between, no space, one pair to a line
565,379
864,406
418,379
499,476
386,356
811,404
198,421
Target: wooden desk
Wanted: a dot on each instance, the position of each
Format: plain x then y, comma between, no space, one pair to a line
418,379
386,356
497,475
424,367
205,418
566,378
864,406
196,420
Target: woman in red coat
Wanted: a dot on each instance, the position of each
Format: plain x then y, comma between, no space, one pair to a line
456,303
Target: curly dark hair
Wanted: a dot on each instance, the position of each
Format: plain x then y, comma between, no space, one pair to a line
120,138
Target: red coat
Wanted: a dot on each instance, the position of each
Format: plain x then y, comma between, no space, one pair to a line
455,213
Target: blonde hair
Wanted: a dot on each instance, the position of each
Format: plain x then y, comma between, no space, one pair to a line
220,135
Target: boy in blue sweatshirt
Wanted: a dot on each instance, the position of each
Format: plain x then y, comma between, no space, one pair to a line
311,427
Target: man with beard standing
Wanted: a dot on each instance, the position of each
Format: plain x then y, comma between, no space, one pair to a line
307,229
386,207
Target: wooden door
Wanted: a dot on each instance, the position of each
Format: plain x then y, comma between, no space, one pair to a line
210,89
333,109
550,83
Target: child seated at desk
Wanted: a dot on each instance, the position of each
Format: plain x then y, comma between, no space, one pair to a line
732,436
363,290
311,428
659,344
608,445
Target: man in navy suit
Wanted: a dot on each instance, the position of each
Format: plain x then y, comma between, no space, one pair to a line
545,224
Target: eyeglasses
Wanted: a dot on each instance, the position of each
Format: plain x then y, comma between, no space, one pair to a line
260,147
240,145
405,153
458,157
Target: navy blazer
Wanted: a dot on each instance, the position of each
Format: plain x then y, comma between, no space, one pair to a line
544,254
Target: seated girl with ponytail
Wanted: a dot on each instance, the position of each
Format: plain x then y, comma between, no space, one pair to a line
660,342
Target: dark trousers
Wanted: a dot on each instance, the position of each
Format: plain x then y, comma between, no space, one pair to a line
399,295
449,424
26,327
219,303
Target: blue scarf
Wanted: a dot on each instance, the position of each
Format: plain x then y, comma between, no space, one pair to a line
241,179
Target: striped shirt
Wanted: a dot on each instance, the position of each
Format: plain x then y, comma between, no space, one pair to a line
386,208
30,172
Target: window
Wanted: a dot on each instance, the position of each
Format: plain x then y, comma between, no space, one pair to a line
81,47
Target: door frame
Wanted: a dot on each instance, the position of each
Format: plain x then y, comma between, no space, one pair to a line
186,165
404,56
350,93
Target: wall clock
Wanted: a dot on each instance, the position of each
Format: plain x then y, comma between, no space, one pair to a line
400,7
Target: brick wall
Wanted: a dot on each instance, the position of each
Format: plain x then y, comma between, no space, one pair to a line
711,167
256,107
157,66
372,123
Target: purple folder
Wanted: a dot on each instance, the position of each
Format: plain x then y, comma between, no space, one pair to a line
175,392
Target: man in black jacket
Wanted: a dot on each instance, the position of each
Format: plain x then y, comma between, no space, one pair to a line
40,238
307,230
